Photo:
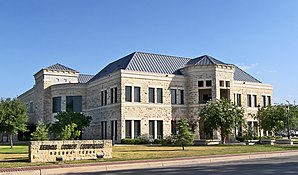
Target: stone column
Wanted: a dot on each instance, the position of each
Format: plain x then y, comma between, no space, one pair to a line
132,129
155,129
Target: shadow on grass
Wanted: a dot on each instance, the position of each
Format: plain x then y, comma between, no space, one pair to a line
10,160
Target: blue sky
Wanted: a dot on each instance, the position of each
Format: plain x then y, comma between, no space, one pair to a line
86,35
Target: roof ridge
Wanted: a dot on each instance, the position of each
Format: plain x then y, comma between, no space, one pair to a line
162,55
61,67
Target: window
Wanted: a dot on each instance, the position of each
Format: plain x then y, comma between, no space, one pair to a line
104,129
151,129
106,97
137,128
248,100
269,100
159,95
115,96
102,98
56,104
238,99
173,96
228,84
200,83
114,130
159,129
264,100
112,95
208,83
255,100
174,127
151,95
181,93
128,97
205,95
128,129
137,94
221,83
74,103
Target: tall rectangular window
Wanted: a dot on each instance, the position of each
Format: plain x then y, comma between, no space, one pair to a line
137,128
159,95
115,96
269,100
102,98
173,96
238,99
159,129
104,129
114,130
248,100
106,97
74,103
151,95
181,94
137,94
255,100
151,129
128,94
128,129
56,104
112,95
264,100
174,127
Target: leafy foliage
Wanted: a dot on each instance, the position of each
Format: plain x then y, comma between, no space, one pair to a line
13,117
69,132
222,115
64,124
185,136
279,117
41,133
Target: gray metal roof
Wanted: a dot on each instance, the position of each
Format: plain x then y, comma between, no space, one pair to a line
241,75
204,60
156,63
60,67
144,62
83,78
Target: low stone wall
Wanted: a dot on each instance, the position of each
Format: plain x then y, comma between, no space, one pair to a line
206,142
284,141
51,151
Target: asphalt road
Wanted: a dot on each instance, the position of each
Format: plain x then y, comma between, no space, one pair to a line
267,166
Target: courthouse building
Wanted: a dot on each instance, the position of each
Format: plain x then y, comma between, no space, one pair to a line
142,93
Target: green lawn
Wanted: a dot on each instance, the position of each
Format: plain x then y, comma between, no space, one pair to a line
18,155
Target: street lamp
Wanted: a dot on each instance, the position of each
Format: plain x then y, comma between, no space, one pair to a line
288,122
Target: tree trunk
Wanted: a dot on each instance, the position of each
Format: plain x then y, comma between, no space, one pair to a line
183,147
11,144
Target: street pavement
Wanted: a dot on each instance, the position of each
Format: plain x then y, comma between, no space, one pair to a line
264,166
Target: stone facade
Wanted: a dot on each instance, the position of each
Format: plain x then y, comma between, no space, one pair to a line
52,151
114,116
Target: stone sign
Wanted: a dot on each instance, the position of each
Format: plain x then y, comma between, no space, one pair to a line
51,151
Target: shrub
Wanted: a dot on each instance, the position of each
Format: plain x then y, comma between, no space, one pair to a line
240,138
128,141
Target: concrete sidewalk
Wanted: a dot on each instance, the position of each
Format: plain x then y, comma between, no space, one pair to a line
136,164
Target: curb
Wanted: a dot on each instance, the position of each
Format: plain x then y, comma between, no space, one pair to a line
139,164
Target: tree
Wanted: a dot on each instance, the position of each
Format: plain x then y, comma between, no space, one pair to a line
13,117
41,133
185,136
69,132
279,117
222,115
66,118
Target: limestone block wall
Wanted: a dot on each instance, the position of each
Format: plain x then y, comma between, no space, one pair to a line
104,112
144,110
245,88
52,151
